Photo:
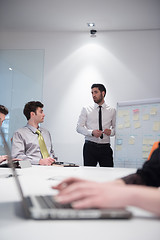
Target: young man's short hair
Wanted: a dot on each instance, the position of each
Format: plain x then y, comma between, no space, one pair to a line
31,107
100,86
3,110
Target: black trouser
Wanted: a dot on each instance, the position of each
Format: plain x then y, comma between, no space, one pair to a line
94,153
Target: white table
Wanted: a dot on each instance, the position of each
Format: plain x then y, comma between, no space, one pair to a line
38,180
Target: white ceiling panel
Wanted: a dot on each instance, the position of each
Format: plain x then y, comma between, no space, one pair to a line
73,15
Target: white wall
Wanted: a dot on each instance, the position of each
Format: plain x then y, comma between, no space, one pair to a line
126,62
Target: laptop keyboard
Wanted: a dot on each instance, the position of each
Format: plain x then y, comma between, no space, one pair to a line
49,202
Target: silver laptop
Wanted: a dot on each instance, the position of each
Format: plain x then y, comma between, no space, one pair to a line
45,207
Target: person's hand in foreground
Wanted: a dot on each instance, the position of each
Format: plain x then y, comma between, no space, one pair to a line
87,194
70,181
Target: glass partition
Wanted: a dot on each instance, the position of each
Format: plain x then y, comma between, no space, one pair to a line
21,80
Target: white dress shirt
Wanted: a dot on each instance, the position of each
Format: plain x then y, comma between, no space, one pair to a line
25,144
89,121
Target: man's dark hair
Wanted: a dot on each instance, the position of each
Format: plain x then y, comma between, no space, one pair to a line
3,110
31,107
101,87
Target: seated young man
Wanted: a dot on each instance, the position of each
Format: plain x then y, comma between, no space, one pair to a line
32,142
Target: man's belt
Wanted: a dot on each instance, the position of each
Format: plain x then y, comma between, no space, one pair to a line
97,144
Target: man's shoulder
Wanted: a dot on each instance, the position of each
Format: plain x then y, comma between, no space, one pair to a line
109,108
88,107
22,130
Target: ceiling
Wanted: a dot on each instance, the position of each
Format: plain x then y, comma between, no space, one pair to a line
73,15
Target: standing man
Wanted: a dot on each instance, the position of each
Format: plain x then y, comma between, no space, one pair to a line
32,142
97,124
3,113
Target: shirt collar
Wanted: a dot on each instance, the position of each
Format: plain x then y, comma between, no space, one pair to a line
103,105
33,129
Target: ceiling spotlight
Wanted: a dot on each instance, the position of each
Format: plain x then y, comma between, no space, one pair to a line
91,24
93,33
10,69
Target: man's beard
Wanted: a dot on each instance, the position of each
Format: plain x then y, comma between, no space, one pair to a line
99,99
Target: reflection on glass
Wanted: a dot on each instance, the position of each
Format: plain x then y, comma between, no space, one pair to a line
21,80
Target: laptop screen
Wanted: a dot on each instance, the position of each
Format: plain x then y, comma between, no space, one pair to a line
12,166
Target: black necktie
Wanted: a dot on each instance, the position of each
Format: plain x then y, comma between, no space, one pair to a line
100,120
